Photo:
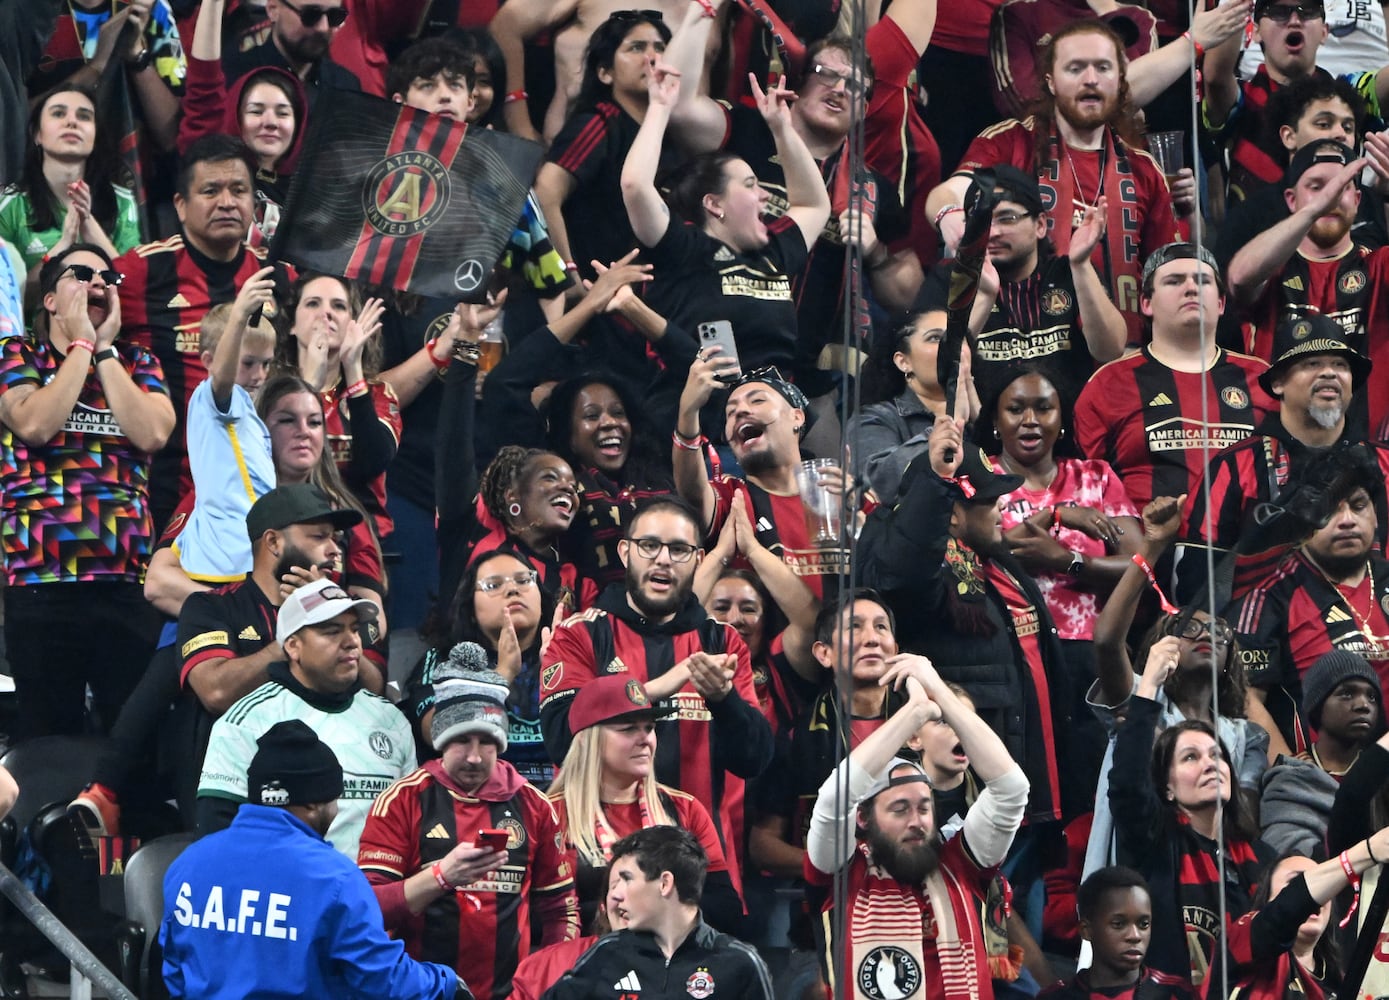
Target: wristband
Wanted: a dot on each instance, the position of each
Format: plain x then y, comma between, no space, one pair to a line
466,352
357,388
709,10
91,348
434,359
514,96
437,870
1371,852
1196,47
689,444
944,212
106,354
1354,881
1167,606
569,265
1055,518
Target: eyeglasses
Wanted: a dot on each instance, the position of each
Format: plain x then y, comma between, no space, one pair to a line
311,14
84,274
627,16
832,78
650,548
1282,13
1008,219
1218,628
490,584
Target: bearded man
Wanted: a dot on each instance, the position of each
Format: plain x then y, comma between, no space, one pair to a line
914,915
1081,147
1309,263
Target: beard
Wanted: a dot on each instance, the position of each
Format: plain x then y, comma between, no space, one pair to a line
1326,415
1339,567
1327,233
658,607
309,49
291,558
1085,118
907,863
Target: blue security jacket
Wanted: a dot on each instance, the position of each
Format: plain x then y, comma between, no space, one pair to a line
267,908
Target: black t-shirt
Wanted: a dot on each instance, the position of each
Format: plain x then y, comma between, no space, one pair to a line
591,147
818,287
1034,321
699,279
411,472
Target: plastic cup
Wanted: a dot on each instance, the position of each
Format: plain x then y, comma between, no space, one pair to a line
1167,149
824,510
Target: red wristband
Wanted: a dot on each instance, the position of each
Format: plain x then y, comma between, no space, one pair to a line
1195,45
91,348
1167,606
709,10
437,870
434,358
357,388
1354,881
689,444
514,96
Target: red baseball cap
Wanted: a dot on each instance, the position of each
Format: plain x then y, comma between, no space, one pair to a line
613,697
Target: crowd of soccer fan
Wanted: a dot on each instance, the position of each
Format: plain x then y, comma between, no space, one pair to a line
910,499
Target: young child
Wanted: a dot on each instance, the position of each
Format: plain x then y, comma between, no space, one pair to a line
953,788
228,443
1116,917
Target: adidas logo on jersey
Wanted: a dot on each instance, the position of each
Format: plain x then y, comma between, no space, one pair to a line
628,983
438,833
1336,615
1161,399
763,524
1294,283
179,302
249,632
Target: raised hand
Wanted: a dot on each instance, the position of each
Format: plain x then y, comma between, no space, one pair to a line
1088,234
1162,518
255,293
702,381
774,103
613,285
360,330
663,85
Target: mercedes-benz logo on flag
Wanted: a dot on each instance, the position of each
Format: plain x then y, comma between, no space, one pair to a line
469,275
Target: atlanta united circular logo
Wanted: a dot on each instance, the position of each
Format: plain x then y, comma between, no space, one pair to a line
380,744
1056,301
889,973
1235,397
405,194
1352,281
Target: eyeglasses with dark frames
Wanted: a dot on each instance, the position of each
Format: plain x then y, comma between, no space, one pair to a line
1218,628
1282,13
650,548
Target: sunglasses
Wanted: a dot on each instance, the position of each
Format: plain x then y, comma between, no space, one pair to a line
84,274
627,16
311,14
832,78
1282,13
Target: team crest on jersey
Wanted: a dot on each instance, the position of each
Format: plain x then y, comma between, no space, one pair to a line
380,744
1056,301
515,833
700,985
406,193
1352,282
889,973
1234,397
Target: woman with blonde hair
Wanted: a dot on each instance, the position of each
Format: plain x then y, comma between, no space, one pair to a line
607,788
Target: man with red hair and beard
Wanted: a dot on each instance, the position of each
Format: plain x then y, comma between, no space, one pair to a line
1080,147
1308,263
914,906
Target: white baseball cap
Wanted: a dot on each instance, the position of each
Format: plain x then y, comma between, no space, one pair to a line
318,602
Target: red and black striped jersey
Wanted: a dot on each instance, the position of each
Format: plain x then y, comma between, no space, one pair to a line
1158,427
484,929
709,747
168,288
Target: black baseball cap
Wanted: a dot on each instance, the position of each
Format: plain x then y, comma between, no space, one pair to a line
1317,151
296,503
1017,186
978,481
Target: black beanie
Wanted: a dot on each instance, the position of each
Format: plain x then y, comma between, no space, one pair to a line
293,767
1327,674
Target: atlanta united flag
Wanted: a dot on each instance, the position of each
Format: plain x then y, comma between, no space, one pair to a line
390,195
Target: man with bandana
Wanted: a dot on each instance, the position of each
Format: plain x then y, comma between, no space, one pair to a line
914,903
